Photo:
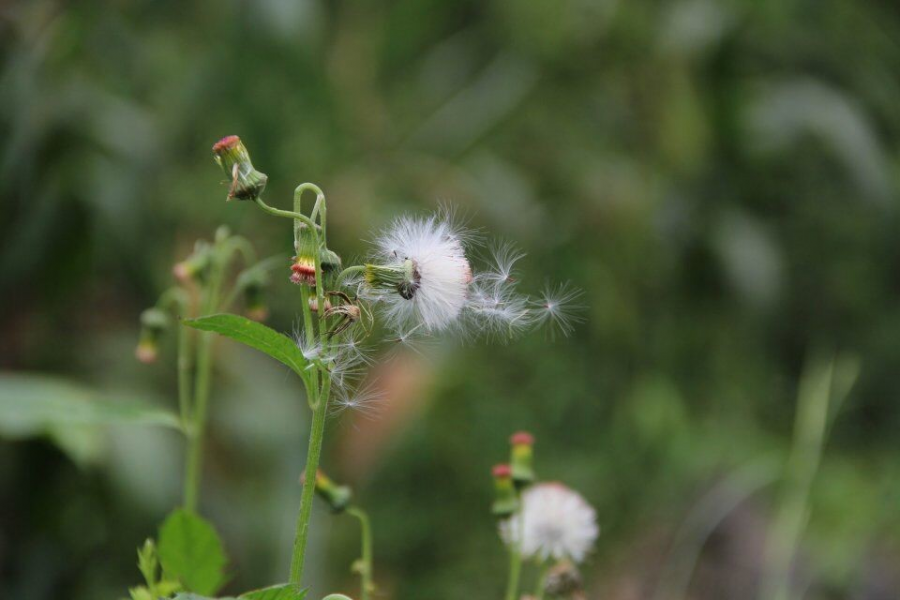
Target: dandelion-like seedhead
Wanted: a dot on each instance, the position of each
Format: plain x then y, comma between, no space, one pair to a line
420,277
555,522
420,268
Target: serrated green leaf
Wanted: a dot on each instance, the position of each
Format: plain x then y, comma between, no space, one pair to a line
32,404
190,551
284,591
256,335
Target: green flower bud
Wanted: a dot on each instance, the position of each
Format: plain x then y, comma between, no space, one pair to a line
246,182
522,459
336,496
505,500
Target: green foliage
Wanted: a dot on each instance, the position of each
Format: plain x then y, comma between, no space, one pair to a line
70,413
31,403
256,335
190,551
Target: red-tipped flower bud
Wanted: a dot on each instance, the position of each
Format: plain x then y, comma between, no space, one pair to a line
505,500
522,458
246,182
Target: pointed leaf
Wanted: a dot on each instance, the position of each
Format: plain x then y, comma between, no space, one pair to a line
285,591
256,335
190,550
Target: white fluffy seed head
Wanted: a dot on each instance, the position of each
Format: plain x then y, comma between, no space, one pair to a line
556,522
432,251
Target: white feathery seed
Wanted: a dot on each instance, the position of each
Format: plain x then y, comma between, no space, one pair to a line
556,521
435,246
557,308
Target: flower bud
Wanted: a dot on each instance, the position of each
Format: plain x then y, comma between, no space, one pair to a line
505,501
246,182
153,323
336,496
522,458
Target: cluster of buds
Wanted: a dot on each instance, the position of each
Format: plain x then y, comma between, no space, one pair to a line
154,322
337,497
511,478
246,183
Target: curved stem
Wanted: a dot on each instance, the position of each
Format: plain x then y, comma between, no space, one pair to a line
365,572
288,214
348,272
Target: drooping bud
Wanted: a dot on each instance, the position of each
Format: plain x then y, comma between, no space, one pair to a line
246,182
336,496
563,581
505,500
153,323
195,266
522,458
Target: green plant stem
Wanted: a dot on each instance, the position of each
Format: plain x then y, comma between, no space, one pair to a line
515,570
515,558
541,582
184,377
343,275
197,427
314,452
365,572
321,393
285,213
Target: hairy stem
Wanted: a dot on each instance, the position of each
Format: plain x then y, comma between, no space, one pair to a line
365,571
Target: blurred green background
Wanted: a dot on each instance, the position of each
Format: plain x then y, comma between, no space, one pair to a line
720,178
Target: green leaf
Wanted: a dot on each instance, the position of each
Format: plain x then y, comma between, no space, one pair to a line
285,591
196,597
256,335
32,404
190,550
